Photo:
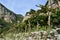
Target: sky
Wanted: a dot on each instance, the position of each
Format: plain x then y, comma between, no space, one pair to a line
22,6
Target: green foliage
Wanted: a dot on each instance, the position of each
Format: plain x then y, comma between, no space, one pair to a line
32,11
4,26
41,17
19,17
55,17
38,20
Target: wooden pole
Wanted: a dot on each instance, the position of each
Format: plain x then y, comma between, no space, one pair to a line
29,26
37,26
49,13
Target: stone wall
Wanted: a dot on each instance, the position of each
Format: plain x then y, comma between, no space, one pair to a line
37,35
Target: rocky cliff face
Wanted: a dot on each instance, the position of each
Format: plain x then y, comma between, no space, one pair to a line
7,14
53,3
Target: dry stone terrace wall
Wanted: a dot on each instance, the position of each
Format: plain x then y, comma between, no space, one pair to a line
37,35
